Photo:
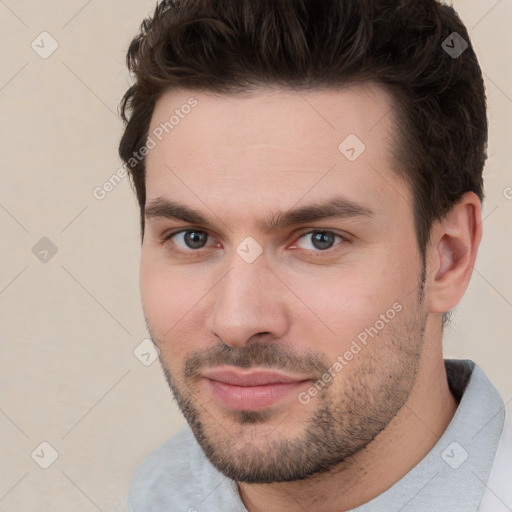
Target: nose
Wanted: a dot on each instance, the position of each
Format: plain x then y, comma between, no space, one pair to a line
248,301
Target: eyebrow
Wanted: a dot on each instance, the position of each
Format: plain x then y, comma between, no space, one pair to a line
337,207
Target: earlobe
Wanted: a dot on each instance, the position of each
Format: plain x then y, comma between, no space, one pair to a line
453,249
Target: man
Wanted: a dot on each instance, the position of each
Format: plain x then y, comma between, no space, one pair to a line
309,175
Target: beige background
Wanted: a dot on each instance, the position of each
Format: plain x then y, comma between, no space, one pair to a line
69,326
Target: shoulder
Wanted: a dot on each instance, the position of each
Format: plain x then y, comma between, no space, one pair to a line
163,478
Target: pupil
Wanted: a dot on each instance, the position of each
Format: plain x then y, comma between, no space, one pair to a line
323,240
194,239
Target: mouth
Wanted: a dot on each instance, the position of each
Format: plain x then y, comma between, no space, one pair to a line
251,390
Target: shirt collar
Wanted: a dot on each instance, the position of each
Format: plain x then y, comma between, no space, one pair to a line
453,475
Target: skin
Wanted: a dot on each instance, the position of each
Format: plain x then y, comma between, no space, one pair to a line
242,158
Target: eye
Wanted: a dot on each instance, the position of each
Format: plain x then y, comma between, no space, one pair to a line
189,240
320,240
193,240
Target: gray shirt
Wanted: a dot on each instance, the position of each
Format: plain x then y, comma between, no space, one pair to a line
452,477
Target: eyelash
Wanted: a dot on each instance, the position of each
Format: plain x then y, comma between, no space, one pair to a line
343,238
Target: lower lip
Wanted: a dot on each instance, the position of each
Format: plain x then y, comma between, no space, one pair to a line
251,398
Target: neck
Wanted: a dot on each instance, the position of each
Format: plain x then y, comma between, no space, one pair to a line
392,454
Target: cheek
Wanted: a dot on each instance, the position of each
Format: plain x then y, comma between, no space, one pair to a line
343,304
157,299
167,299
167,309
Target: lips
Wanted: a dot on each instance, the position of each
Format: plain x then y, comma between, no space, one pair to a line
251,389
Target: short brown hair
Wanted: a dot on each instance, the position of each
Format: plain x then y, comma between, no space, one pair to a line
230,46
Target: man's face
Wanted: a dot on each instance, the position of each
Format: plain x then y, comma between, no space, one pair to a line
287,362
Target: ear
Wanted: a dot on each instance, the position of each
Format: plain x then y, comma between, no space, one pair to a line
452,253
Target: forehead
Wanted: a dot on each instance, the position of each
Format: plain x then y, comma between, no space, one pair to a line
275,115
273,146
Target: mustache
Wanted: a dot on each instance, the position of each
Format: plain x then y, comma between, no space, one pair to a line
274,356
